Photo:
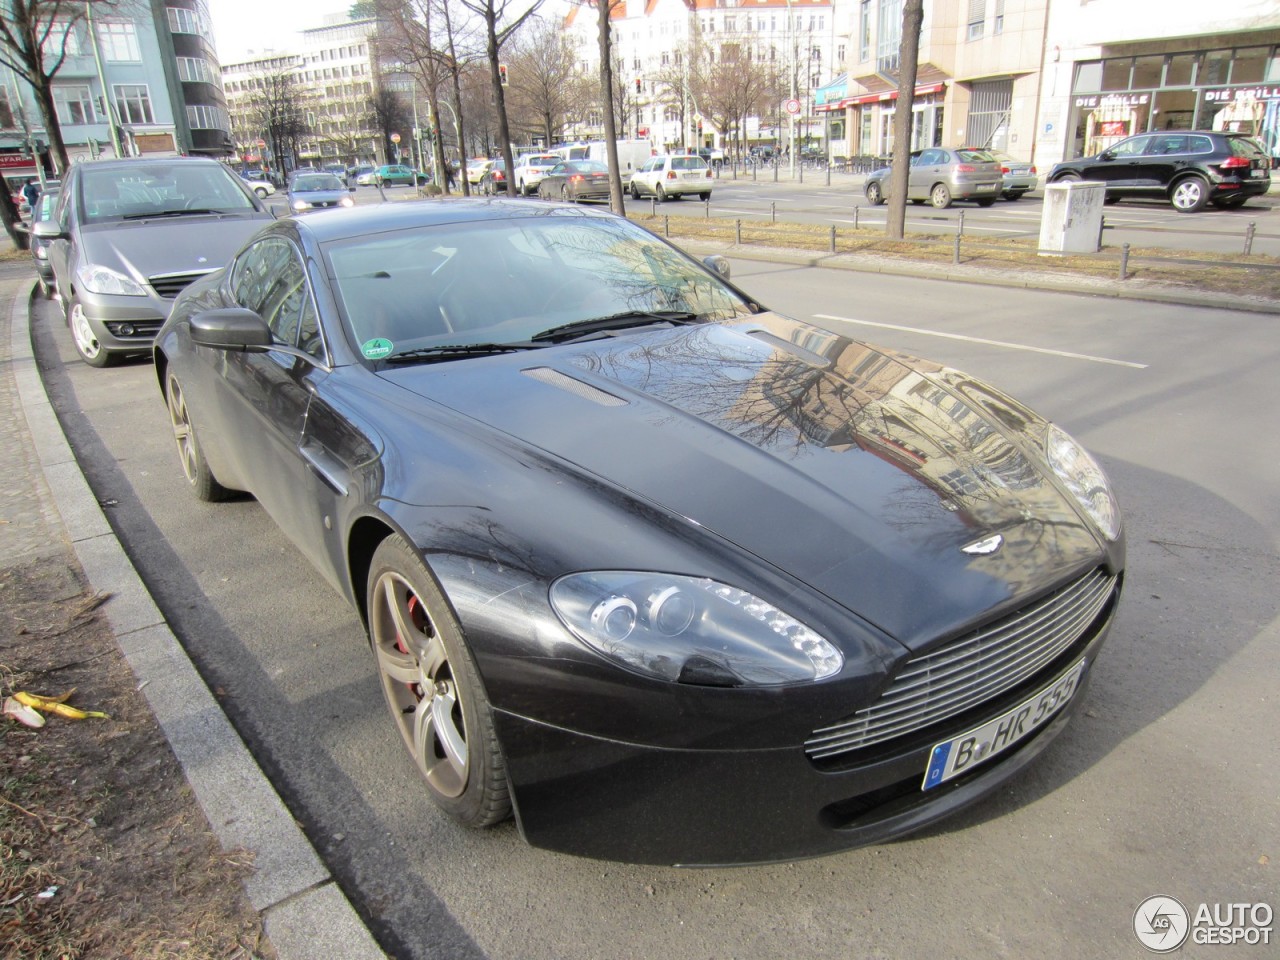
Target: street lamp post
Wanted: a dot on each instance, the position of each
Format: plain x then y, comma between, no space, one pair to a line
791,57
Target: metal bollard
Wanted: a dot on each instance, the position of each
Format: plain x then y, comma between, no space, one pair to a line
828,173
1124,262
855,217
833,238
737,232
754,167
773,211
775,171
955,253
960,225
706,204
666,226
653,207
1248,237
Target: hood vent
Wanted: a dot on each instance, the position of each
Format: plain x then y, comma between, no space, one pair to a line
568,384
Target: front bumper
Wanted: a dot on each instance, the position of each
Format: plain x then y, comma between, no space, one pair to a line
597,797
124,324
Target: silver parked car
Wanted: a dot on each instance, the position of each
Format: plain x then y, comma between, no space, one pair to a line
941,175
1017,176
128,235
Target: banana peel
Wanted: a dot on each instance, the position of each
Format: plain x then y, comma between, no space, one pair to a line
56,705
24,714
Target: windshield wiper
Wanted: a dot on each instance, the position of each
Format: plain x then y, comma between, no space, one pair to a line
615,321
451,351
169,213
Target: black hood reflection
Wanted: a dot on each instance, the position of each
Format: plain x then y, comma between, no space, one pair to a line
861,472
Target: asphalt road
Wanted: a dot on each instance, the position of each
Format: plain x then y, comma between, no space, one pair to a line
1167,783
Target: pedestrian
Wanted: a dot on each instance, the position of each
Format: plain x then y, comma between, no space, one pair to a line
31,192
449,179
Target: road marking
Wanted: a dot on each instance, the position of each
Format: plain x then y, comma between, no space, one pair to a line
992,343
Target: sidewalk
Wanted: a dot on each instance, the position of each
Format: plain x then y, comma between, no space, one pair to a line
50,512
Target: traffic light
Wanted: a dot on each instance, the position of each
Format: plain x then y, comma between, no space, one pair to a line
639,88
502,74
699,125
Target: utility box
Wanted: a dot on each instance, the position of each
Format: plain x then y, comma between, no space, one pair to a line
1071,221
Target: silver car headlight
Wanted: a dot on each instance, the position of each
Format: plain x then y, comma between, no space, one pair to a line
346,202
1084,478
300,205
691,629
99,279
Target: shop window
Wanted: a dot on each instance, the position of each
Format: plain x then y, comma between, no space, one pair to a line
1088,77
1146,73
1115,74
1250,65
1273,68
1181,70
1215,68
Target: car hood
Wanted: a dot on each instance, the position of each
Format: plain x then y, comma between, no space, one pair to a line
863,473
148,248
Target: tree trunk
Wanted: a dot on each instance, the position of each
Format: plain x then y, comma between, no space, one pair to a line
909,52
457,104
499,99
9,217
616,203
49,114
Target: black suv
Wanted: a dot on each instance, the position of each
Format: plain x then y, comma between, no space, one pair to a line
1188,167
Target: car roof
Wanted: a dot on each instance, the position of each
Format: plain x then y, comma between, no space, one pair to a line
129,163
378,218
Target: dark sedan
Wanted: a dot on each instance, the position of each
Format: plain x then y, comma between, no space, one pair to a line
494,180
1188,168
573,180
669,577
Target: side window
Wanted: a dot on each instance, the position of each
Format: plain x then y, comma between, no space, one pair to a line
1169,143
1133,147
269,279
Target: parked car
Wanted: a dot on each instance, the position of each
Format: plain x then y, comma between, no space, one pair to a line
128,235
262,187
494,181
309,191
476,169
1189,168
530,169
678,578
43,211
365,175
390,174
574,180
671,176
1016,176
941,175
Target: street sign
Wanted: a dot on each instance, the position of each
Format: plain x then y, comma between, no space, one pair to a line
793,106
262,143
395,138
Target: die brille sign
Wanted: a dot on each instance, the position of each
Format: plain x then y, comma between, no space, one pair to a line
1242,93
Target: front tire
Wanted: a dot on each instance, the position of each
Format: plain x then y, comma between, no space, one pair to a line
195,468
262,194
940,196
432,688
635,192
875,196
659,193
1189,195
82,335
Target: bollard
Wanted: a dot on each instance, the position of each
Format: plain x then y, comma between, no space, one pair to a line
666,226
706,212
828,173
1124,262
800,170
737,232
960,224
955,253
1248,237
754,167
1102,226
833,238
855,218
773,211
653,207
775,171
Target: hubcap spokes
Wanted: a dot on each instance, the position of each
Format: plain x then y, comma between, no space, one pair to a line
182,430
89,345
419,684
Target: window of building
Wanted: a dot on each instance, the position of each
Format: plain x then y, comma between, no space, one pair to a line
204,117
182,20
1215,68
1250,65
6,110
977,18
1115,74
997,22
1146,72
194,70
119,41
864,31
1180,70
59,32
888,35
133,103
73,104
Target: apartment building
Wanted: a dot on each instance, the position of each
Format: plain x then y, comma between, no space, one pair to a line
151,88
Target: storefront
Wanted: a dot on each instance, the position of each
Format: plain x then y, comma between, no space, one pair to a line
1235,89
870,120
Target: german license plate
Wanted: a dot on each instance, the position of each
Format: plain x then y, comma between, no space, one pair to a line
1259,172
983,187
959,755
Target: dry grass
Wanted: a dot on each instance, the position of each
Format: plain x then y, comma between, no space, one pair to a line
1153,266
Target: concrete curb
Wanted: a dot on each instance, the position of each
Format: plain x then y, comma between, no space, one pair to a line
305,913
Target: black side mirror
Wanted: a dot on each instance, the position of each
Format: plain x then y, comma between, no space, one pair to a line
231,328
1106,155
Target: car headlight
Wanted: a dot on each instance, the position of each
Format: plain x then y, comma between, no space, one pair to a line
691,629
1084,478
99,279
346,202
300,205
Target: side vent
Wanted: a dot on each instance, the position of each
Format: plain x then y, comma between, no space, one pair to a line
568,384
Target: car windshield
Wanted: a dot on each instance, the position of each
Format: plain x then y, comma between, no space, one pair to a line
550,160
588,166
688,163
434,286
313,182
111,193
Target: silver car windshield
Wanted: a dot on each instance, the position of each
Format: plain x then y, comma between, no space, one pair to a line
317,181
112,193
506,280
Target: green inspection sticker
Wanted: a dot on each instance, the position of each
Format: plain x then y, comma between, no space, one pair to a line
377,348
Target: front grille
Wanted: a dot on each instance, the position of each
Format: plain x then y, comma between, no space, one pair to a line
971,669
169,285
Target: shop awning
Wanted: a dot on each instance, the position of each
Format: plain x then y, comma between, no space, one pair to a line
874,88
837,89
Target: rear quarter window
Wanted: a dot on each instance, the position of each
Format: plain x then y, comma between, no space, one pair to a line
1245,147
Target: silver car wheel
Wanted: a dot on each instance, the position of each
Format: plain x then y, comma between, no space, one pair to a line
86,340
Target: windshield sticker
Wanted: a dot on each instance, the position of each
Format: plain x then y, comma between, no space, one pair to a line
376,349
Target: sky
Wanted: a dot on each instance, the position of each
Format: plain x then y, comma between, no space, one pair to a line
243,25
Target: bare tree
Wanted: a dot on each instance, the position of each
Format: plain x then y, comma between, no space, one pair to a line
605,10
391,114
277,109
493,12
455,76
405,36
909,51
546,83
33,44
732,86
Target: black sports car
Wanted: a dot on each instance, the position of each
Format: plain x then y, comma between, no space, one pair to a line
668,576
